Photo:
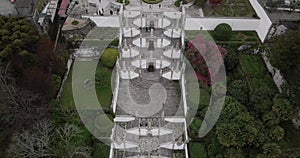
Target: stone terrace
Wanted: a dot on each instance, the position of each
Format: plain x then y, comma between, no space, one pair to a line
139,91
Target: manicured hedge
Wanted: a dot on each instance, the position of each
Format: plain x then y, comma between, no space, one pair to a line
223,32
204,99
109,57
195,126
177,2
114,43
103,86
121,1
197,150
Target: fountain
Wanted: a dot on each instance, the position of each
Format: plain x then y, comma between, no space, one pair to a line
151,67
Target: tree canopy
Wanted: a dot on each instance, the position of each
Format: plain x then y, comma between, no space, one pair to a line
285,56
239,90
285,53
237,128
17,39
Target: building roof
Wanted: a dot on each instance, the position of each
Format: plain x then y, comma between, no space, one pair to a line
63,7
24,3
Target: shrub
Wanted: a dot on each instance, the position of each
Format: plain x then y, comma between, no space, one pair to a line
56,82
121,1
109,57
177,2
195,126
204,99
231,60
152,1
200,2
100,150
197,150
75,22
222,32
114,43
215,2
251,39
239,90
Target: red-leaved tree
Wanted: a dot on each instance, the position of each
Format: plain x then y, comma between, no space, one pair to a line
200,51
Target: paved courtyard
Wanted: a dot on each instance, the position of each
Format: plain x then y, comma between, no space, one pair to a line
7,8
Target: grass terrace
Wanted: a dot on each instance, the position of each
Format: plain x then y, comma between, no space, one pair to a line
230,8
103,88
238,37
256,72
104,94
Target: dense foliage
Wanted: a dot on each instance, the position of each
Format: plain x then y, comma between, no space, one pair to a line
285,55
252,122
31,57
215,2
17,42
200,2
30,76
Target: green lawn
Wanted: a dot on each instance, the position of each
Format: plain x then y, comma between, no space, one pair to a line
253,65
245,36
104,93
204,99
239,37
66,99
256,72
230,8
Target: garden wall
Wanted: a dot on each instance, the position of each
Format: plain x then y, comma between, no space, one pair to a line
261,26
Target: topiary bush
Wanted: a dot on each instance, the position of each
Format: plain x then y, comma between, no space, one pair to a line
114,43
109,57
75,22
177,2
223,32
152,1
121,1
